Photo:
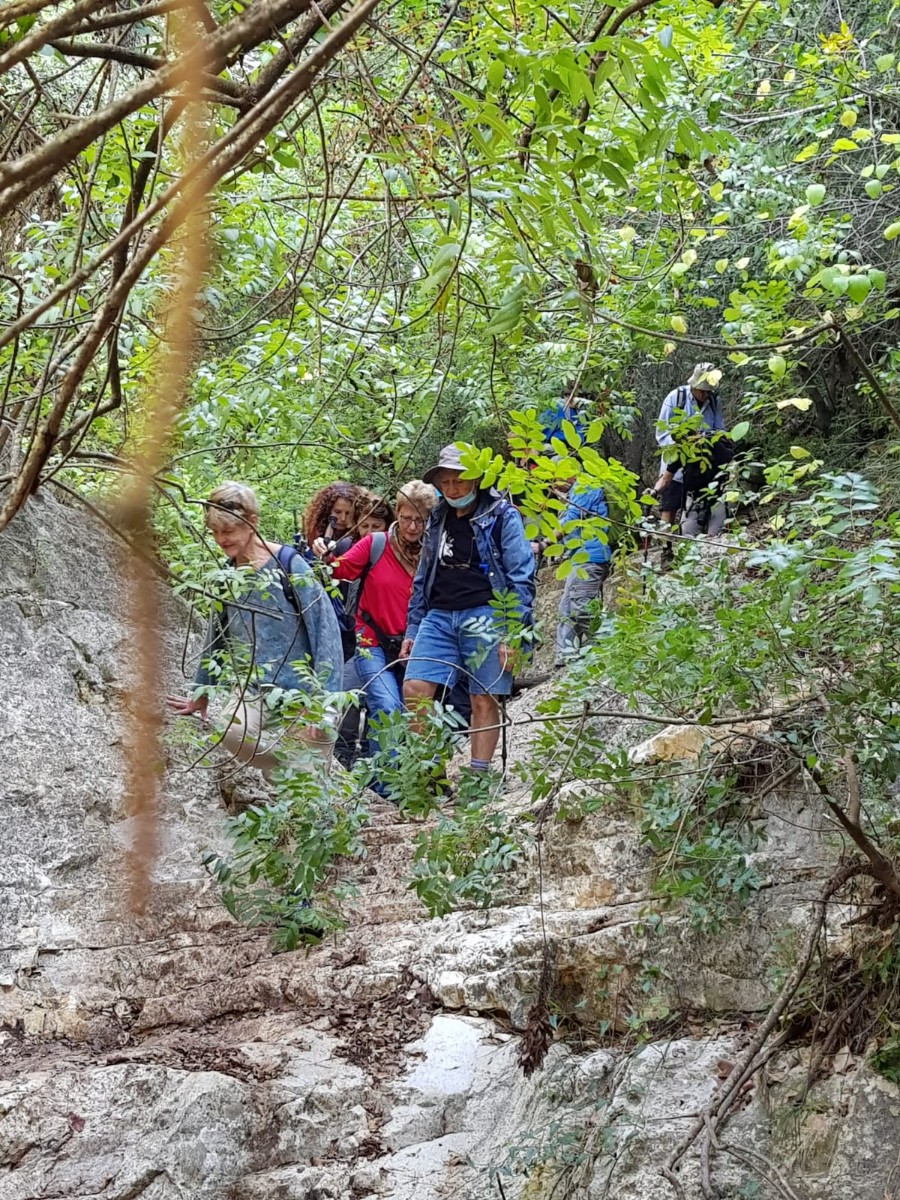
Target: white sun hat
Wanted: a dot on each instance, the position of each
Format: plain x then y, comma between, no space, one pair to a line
705,377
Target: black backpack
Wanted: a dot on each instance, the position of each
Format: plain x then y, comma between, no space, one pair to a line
698,476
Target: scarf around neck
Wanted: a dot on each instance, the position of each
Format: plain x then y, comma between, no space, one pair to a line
409,557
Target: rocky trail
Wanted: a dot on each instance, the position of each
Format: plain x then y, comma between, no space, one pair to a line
174,1056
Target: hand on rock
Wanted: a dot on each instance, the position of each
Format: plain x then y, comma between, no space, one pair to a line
184,706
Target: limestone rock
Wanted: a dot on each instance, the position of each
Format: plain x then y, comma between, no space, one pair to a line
173,1056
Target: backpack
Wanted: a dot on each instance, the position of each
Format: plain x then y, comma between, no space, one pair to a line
696,476
346,623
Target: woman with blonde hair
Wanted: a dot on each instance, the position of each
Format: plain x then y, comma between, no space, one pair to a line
386,564
281,621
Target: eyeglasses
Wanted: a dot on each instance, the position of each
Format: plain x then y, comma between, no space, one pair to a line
411,520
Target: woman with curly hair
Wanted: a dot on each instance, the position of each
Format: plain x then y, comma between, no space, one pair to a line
331,513
373,514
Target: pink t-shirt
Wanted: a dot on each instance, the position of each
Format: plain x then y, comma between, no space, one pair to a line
386,591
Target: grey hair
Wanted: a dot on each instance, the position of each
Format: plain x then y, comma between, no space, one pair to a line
420,495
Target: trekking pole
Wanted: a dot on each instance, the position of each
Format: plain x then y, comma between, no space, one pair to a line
296,538
646,555
503,746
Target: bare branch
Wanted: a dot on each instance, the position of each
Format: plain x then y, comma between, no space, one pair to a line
210,55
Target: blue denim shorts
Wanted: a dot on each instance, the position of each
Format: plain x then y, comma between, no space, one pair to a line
453,644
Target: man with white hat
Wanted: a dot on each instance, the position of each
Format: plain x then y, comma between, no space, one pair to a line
698,396
474,549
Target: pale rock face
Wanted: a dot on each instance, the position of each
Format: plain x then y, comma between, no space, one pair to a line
676,742
173,1057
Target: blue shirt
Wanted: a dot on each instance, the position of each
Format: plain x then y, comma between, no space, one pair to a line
682,398
585,503
551,420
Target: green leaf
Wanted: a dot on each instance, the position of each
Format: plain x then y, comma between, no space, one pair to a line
874,189
858,287
495,73
740,431
678,324
884,62
849,117
815,194
570,433
807,152
777,366
892,231
844,144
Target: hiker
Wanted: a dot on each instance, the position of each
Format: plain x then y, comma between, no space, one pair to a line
386,565
330,515
569,407
584,583
371,514
474,548
282,619
697,396
692,471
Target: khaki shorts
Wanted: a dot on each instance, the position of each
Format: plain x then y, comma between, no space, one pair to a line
258,735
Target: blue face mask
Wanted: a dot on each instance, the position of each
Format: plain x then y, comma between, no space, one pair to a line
461,501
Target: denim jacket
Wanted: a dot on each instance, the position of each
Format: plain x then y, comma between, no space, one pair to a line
511,568
272,644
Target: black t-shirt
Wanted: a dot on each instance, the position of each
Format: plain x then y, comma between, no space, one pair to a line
460,581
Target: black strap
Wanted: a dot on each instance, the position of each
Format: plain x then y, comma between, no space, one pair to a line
384,639
287,584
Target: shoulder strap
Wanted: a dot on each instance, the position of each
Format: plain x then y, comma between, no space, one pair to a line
496,531
284,558
376,549
354,591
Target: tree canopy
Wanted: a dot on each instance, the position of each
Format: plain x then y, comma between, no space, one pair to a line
409,219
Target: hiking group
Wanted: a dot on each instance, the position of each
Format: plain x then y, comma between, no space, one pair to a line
427,598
